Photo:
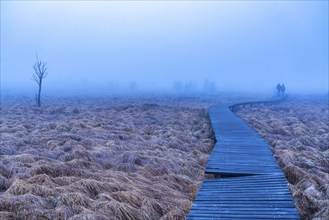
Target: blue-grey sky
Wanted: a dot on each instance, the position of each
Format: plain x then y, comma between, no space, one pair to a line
239,45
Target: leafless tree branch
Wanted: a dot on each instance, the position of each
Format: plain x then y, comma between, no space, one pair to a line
40,72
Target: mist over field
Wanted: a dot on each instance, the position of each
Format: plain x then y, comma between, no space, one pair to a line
121,127
164,46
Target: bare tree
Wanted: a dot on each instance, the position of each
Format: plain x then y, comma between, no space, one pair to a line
40,72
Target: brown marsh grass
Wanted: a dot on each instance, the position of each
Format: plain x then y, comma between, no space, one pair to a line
102,159
143,158
298,132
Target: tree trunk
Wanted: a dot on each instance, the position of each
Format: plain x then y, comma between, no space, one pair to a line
39,94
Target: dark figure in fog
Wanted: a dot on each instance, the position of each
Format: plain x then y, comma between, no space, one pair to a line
283,88
279,89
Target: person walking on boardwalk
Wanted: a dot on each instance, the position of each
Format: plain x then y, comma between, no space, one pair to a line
283,89
279,89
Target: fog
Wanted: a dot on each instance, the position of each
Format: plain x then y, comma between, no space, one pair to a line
110,47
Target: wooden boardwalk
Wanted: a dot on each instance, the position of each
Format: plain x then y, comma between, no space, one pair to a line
239,149
252,185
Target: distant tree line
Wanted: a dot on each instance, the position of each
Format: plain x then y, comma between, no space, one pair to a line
208,87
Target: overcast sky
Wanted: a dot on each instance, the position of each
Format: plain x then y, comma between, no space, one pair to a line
239,45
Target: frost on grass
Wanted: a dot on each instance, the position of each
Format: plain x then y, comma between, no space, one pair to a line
298,132
102,159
